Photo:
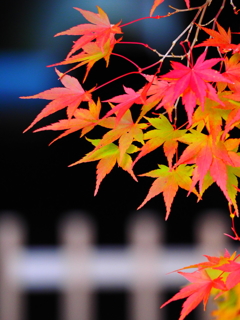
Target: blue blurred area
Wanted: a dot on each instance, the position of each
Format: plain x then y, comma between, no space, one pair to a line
24,73
23,69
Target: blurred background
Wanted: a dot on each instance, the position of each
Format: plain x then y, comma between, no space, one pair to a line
37,185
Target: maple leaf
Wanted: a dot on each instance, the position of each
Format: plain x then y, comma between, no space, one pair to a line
158,2
90,55
232,72
199,290
234,276
233,173
212,261
71,96
108,155
101,30
192,83
163,134
213,156
211,117
168,181
233,118
155,5
126,131
155,94
125,101
221,39
228,305
83,119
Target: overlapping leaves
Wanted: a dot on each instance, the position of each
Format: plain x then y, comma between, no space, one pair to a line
199,151
216,277
210,98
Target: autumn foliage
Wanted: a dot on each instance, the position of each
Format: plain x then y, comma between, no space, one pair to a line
206,90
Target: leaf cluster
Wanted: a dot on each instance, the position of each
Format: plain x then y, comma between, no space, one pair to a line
199,152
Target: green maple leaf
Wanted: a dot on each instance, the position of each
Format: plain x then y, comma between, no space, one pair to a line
210,117
163,134
109,155
168,181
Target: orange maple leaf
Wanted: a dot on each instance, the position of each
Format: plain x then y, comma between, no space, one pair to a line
101,30
158,2
71,96
232,72
155,5
83,119
212,262
125,130
212,116
221,39
90,55
199,290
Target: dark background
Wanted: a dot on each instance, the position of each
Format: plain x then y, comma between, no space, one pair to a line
36,181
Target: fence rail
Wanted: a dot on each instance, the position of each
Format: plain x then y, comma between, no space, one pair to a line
78,268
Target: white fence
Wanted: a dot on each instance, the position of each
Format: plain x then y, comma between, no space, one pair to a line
78,269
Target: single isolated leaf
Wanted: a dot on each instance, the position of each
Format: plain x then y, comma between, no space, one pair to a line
100,30
168,181
221,39
71,96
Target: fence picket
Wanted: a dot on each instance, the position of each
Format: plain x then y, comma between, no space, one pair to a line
78,268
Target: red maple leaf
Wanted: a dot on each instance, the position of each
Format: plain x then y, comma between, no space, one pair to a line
199,290
100,30
234,277
193,83
125,101
156,92
71,96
